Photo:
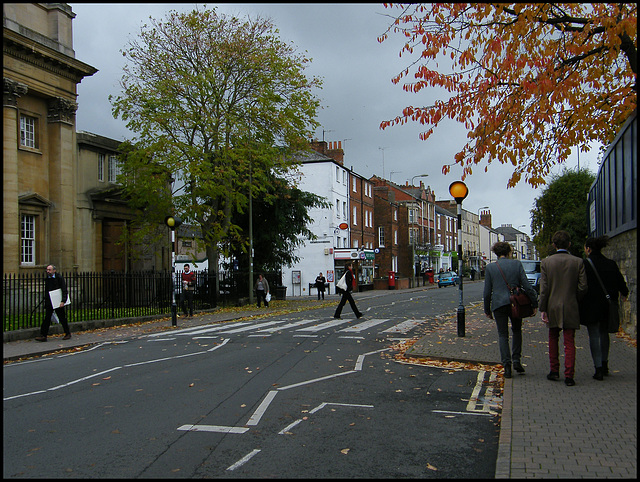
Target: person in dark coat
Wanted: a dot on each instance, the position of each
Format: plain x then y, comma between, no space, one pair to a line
594,307
346,295
320,281
497,303
54,281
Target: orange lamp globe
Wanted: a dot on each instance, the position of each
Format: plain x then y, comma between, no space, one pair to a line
458,191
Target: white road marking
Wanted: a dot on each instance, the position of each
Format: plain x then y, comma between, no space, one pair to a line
257,415
324,326
253,327
288,325
475,395
403,327
463,413
364,325
213,428
244,459
353,337
295,385
286,430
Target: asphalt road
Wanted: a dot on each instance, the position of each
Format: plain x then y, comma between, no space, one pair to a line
301,395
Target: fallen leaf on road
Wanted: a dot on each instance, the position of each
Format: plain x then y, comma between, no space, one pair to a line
191,384
431,467
345,451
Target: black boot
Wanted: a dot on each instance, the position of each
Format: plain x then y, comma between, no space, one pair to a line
605,368
507,371
599,374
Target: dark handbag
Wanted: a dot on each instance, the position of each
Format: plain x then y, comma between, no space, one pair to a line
520,302
613,322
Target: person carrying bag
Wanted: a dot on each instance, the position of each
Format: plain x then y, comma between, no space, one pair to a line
498,303
599,308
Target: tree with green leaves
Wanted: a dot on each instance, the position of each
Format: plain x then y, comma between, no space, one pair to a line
562,206
280,225
213,102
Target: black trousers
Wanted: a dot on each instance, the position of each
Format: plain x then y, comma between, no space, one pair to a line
346,296
261,294
62,316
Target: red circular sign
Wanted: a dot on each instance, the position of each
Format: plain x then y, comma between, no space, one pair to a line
343,226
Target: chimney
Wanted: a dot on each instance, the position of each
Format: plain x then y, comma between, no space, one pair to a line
335,152
319,146
485,219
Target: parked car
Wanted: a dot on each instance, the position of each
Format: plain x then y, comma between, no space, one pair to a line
532,270
449,278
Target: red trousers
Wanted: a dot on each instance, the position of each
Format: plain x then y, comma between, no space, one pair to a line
569,351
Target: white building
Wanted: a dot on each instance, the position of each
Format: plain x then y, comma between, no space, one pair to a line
324,177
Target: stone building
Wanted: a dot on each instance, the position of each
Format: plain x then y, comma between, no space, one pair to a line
40,76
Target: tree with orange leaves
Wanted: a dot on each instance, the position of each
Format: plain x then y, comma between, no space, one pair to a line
528,81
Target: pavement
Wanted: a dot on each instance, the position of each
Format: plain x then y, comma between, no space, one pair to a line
547,430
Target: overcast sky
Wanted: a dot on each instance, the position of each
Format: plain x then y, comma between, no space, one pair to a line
357,95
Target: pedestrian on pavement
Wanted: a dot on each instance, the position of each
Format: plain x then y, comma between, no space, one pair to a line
498,305
54,281
346,294
563,283
473,273
320,281
262,290
188,287
594,307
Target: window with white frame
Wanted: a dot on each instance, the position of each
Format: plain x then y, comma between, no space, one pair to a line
381,236
354,217
101,167
338,208
337,174
354,185
28,133
344,177
395,214
28,240
355,243
412,216
344,210
395,236
114,168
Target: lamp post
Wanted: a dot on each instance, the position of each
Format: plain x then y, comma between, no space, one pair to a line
173,222
459,192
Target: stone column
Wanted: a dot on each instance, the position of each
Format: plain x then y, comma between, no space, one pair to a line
10,207
62,154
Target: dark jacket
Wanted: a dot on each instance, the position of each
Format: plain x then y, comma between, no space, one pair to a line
496,293
594,307
349,280
52,284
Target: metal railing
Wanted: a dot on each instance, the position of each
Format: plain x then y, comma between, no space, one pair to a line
111,295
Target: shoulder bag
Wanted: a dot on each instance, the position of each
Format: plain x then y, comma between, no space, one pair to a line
342,282
520,302
613,322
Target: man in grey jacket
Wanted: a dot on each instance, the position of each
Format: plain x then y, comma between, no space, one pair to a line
563,282
497,303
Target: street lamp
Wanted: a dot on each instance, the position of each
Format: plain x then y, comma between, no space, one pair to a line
173,222
459,192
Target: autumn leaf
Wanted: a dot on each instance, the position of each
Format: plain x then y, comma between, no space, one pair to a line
431,467
345,451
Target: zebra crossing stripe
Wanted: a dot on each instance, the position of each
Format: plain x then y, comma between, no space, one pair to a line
288,325
363,326
324,326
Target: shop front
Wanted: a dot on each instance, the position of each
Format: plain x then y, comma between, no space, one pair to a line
363,266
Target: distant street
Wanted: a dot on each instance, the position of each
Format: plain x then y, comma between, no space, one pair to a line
295,396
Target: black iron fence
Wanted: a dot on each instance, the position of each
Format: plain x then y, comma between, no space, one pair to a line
110,295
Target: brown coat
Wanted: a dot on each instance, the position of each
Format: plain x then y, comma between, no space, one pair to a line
563,282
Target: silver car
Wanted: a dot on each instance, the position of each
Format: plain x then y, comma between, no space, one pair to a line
532,270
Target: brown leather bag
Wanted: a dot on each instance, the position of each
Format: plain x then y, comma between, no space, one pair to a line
520,302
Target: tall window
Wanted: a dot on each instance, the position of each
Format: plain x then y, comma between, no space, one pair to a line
28,239
354,217
28,131
114,168
338,208
101,167
381,236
